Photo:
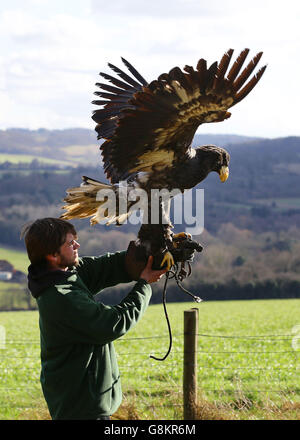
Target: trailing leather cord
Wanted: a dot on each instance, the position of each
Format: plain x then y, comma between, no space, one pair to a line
167,319
178,277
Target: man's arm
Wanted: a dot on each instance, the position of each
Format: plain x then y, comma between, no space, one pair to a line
111,269
92,322
89,322
105,271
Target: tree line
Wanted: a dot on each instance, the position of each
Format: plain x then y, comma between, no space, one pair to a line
251,241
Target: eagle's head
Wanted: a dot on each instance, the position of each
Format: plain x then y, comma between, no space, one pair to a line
214,159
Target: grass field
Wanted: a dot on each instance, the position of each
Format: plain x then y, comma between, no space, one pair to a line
27,158
83,153
17,258
248,363
72,155
279,204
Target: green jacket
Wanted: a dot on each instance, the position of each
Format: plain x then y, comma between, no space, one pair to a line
79,372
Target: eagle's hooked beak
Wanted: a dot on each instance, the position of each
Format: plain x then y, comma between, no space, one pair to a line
224,173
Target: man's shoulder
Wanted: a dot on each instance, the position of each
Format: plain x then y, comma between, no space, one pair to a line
100,261
86,259
72,283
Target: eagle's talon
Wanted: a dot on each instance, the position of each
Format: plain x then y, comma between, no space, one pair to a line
168,258
181,236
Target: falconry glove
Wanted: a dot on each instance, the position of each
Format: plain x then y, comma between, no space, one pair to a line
184,247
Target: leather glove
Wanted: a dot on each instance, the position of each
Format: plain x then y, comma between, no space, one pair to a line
135,260
184,248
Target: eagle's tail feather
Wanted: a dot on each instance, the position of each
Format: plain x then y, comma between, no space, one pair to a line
87,201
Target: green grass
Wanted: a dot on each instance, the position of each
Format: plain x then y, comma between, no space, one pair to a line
247,367
29,172
27,158
15,296
281,203
82,153
12,295
236,206
17,258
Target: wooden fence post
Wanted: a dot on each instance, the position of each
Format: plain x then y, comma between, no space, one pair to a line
190,364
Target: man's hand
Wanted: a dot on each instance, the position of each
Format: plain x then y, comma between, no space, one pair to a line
150,275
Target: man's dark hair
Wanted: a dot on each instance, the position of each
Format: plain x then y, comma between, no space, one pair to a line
45,236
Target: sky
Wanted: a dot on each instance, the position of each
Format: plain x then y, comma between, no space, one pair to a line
53,50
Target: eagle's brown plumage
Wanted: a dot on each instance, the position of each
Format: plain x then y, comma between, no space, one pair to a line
148,130
140,119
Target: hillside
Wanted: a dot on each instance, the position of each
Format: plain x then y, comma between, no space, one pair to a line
70,145
74,145
252,233
262,192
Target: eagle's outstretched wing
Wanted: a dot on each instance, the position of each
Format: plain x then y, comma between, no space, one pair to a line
148,127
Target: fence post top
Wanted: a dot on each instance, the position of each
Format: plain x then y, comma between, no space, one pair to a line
192,310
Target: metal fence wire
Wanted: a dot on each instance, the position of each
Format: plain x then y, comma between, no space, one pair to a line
250,365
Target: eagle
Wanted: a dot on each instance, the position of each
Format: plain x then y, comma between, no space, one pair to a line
147,130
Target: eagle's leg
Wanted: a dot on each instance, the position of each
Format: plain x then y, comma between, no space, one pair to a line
157,238
167,260
173,241
154,240
155,235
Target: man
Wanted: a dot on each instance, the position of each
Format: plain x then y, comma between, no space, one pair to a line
79,372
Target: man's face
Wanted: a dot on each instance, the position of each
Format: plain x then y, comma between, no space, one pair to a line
68,255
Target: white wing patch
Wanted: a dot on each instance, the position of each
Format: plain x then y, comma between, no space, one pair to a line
191,153
142,177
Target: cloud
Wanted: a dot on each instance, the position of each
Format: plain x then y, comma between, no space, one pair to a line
155,8
52,52
200,10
